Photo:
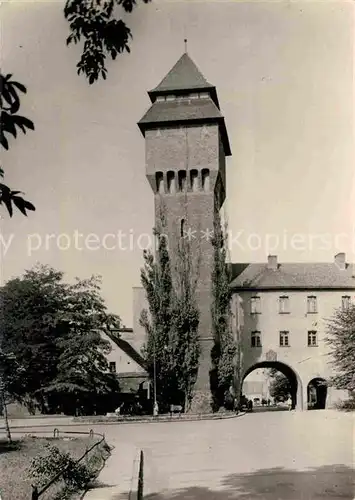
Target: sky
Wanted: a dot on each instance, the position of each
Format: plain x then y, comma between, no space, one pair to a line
284,77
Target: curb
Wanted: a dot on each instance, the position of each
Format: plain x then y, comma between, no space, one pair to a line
136,488
152,420
157,420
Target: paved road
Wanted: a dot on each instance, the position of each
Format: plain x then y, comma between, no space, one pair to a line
260,456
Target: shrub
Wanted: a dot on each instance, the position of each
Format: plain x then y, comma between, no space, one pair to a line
347,405
44,467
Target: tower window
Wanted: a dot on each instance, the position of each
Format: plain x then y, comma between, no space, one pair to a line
171,182
182,227
312,339
256,339
206,179
194,180
159,178
311,304
182,180
284,339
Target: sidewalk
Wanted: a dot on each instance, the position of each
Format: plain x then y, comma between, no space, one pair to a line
118,480
37,421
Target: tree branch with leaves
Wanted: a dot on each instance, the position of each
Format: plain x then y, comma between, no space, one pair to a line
104,34
10,123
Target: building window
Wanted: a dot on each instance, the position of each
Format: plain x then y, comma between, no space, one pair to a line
182,180
284,339
311,304
255,305
112,366
159,178
206,179
256,339
284,305
312,339
194,180
345,302
171,182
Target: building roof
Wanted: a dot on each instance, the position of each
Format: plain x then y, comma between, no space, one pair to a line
178,112
181,110
297,276
184,75
181,81
130,382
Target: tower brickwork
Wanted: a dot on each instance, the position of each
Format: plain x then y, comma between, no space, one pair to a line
186,147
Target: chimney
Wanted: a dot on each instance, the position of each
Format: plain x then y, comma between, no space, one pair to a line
272,262
339,260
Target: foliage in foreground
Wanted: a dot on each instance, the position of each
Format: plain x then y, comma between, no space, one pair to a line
104,34
45,466
341,340
54,331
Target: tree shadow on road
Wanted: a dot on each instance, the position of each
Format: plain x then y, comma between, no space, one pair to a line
334,482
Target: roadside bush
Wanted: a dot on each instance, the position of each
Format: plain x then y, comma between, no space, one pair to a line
44,467
347,405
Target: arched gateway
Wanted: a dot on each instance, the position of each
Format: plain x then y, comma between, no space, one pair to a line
290,374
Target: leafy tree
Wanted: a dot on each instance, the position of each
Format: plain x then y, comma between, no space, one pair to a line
225,349
341,340
172,347
157,282
96,22
53,329
185,324
280,387
10,123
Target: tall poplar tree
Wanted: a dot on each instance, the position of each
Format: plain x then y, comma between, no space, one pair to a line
225,348
171,323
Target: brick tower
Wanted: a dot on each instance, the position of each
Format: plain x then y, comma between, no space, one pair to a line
186,145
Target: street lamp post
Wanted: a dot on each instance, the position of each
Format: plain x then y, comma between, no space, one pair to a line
155,406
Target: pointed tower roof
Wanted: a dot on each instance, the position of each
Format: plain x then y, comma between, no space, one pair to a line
174,101
183,75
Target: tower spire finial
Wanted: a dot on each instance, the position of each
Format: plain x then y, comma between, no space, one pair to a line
185,43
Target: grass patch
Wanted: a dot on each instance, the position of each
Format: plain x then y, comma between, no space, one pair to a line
15,460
